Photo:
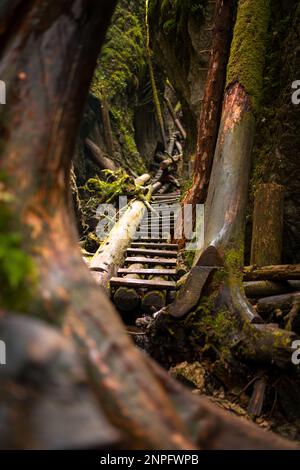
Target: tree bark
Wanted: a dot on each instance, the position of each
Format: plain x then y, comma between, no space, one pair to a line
212,103
266,246
272,273
225,209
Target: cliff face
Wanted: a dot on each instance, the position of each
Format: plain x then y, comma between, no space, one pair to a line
122,80
181,35
277,143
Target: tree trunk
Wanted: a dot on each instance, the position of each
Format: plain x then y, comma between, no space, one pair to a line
51,73
225,209
109,140
267,225
212,103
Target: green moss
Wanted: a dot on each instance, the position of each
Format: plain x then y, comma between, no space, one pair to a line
280,69
123,54
173,14
248,48
119,184
17,272
234,260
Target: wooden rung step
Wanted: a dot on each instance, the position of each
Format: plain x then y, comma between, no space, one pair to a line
142,283
166,246
152,240
148,272
160,197
156,227
145,252
155,261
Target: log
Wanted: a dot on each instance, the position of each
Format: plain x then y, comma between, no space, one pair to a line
272,273
283,302
258,289
170,161
128,299
175,119
155,299
257,398
111,252
266,245
99,158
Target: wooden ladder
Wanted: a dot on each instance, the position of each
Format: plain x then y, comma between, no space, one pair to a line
147,281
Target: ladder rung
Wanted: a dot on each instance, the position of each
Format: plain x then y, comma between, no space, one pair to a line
140,251
155,261
142,283
149,272
171,246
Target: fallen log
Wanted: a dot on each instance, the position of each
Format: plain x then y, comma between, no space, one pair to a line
266,246
258,289
155,300
170,161
111,252
101,160
175,119
283,302
272,273
125,298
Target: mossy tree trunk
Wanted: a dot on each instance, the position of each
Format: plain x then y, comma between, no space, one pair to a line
225,210
227,318
46,95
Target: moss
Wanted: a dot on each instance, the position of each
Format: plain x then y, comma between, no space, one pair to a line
123,54
218,326
248,48
119,184
121,64
280,69
234,260
17,271
173,14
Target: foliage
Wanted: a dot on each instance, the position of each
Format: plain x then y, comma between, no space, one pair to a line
16,267
119,184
